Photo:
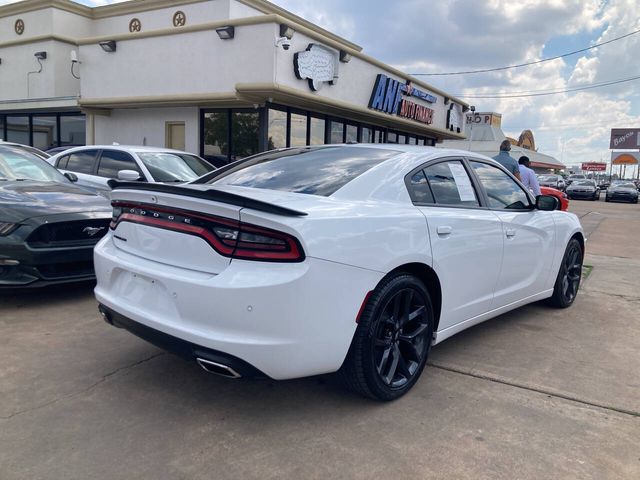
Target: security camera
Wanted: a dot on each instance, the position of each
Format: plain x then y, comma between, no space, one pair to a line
284,42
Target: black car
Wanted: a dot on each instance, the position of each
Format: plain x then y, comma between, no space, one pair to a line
622,192
583,189
48,225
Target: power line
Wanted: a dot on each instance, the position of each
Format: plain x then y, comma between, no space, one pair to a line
556,92
519,65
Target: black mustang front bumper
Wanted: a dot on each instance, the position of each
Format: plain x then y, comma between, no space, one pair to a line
50,250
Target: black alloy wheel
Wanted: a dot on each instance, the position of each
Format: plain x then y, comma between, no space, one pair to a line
393,339
569,275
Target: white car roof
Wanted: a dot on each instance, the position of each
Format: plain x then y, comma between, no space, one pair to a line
125,148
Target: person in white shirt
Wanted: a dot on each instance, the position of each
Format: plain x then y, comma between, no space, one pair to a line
528,176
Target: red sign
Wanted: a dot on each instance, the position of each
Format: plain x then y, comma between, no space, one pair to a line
594,167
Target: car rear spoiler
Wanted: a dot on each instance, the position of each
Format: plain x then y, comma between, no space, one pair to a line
209,194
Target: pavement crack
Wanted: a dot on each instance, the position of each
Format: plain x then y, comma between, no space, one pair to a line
551,393
84,390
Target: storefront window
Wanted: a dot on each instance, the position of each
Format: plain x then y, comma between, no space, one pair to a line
72,130
298,130
216,137
402,139
245,134
351,133
18,129
277,130
337,132
316,134
412,140
45,132
392,137
368,135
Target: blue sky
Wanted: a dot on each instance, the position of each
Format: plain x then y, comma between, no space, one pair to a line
436,36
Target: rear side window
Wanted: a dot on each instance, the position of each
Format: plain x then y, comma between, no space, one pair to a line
112,161
82,162
315,171
419,190
451,184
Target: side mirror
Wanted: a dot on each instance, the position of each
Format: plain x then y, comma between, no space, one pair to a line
128,175
72,177
547,202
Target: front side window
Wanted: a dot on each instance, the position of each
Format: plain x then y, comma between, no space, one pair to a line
451,184
82,162
315,171
502,190
112,161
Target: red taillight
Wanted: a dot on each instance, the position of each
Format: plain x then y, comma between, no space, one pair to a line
228,237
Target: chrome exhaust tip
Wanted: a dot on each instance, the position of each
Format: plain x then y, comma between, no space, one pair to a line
217,368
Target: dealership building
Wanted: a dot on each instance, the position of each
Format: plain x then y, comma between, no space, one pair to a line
222,78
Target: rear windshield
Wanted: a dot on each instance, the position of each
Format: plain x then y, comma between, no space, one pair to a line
174,167
315,171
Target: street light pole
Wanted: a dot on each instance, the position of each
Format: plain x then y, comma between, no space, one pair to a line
473,111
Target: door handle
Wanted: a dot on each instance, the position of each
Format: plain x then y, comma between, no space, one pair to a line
510,232
444,230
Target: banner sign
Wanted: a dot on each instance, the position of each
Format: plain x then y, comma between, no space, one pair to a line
594,167
625,138
387,97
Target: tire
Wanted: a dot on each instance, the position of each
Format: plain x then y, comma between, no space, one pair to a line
387,354
606,199
567,283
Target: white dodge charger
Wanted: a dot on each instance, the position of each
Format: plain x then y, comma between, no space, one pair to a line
349,258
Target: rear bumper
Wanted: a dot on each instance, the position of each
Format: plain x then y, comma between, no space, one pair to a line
286,320
187,350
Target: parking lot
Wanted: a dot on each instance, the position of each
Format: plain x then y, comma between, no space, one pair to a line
536,393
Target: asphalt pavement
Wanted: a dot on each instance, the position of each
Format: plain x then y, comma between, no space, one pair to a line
534,394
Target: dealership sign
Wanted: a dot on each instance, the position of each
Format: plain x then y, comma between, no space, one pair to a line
594,167
622,138
387,97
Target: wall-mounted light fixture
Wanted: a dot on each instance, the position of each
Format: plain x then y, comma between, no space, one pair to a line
286,31
226,33
108,46
345,57
40,55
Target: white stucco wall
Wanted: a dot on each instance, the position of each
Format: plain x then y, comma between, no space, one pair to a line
189,63
208,11
146,126
36,23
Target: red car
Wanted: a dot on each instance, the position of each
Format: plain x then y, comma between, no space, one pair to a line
562,197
